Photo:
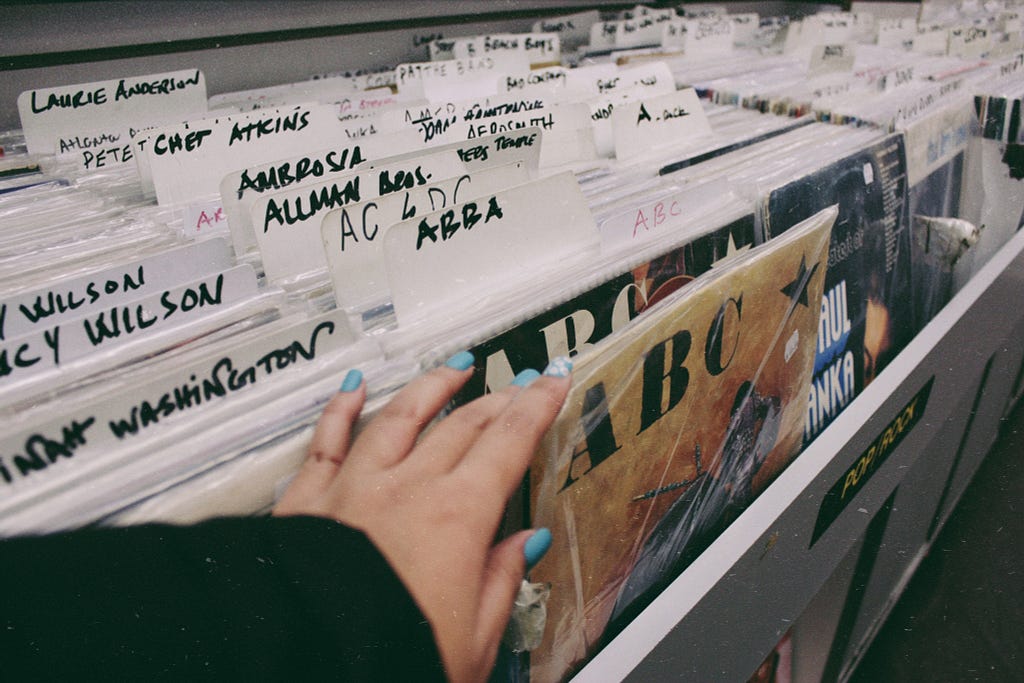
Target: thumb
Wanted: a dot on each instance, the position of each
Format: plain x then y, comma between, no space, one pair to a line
506,566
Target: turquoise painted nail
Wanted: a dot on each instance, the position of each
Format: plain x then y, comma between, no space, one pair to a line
526,377
536,547
559,367
463,360
352,380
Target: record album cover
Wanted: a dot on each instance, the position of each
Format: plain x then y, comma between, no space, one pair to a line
672,427
867,313
585,319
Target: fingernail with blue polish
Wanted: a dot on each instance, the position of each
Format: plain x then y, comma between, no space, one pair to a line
463,360
526,377
559,367
352,380
536,547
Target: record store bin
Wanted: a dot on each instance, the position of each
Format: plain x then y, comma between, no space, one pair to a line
779,241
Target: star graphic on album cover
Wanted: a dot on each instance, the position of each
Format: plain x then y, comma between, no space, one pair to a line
797,289
730,251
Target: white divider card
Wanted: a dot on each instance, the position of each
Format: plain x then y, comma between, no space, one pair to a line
568,135
968,42
603,35
831,28
653,77
188,160
365,79
446,122
321,90
445,259
655,122
745,27
931,41
34,454
699,38
827,59
287,223
642,31
353,235
896,32
865,27
40,308
585,81
417,78
506,116
549,81
92,117
701,10
202,219
369,103
1009,22
241,190
658,215
573,30
601,109
674,33
119,323
541,49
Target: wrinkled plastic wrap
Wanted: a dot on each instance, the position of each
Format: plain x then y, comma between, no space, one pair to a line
529,616
939,244
672,427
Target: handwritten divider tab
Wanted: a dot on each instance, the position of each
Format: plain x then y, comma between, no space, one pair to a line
477,154
968,42
114,286
829,59
54,118
41,350
931,41
658,217
672,119
447,122
540,49
896,32
187,161
439,262
326,90
573,30
204,218
547,82
709,37
240,189
603,35
417,79
642,31
127,415
287,223
745,27
353,235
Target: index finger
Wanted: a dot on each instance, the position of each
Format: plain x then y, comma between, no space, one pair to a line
500,456
390,435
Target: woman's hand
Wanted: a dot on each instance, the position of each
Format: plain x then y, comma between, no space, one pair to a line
432,506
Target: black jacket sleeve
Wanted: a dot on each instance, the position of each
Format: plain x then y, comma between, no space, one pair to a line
292,598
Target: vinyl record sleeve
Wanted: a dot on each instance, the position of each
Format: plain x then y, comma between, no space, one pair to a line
672,427
867,313
584,320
